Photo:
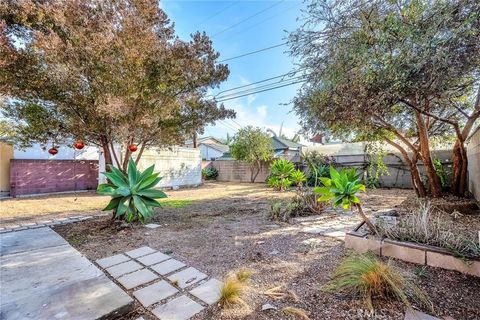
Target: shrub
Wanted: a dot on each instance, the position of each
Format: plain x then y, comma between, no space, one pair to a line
280,173
368,277
297,178
424,227
315,173
304,203
209,173
133,195
341,189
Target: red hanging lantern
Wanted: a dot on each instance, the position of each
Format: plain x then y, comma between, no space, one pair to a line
53,151
132,147
79,144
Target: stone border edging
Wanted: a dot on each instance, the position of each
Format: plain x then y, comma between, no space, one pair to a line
51,223
411,252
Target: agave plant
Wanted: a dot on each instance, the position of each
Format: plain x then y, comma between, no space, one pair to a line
341,188
133,194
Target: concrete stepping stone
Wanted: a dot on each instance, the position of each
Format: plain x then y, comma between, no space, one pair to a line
123,268
181,308
168,266
111,261
209,291
134,279
152,226
187,277
153,258
155,293
142,251
44,278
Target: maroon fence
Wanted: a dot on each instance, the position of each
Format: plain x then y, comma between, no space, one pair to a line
50,176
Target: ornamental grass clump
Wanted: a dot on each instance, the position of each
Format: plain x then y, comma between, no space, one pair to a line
231,291
369,278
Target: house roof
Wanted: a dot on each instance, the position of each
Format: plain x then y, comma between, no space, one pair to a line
200,140
280,143
217,146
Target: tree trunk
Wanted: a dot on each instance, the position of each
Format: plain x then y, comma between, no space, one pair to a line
106,153
254,171
365,219
433,180
194,139
417,183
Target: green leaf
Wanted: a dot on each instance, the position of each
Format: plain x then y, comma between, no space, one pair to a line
141,207
150,202
334,173
116,179
112,204
326,197
152,193
322,190
105,189
119,173
132,173
354,199
122,207
123,191
148,172
327,182
149,182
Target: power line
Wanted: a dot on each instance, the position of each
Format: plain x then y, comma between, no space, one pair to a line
248,18
291,73
216,14
280,86
253,52
268,85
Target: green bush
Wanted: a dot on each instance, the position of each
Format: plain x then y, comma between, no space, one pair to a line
209,173
133,194
298,178
315,173
281,172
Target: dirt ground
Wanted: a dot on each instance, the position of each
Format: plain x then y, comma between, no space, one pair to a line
226,228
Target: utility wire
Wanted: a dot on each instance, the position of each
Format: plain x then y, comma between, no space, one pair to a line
216,14
291,73
265,86
253,52
280,86
248,18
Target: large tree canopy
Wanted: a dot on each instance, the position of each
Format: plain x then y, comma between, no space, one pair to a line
109,72
403,71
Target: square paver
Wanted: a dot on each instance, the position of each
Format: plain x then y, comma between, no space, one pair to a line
155,293
168,266
123,268
111,261
153,258
142,251
208,291
134,279
187,277
181,308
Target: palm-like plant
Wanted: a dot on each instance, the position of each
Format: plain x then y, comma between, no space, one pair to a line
298,178
133,195
341,188
281,171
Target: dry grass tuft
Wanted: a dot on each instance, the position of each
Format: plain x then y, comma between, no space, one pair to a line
279,293
231,291
297,312
368,277
243,275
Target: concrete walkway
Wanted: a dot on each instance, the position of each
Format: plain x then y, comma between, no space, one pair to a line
43,277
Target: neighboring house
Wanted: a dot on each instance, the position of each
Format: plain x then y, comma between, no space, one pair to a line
282,148
287,149
210,148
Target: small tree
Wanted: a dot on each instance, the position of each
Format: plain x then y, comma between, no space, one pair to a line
341,189
253,146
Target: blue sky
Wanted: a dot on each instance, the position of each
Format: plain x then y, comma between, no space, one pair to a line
238,27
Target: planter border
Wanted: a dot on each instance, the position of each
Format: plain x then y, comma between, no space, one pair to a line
410,252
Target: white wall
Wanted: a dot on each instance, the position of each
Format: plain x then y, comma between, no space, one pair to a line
178,166
65,152
209,153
